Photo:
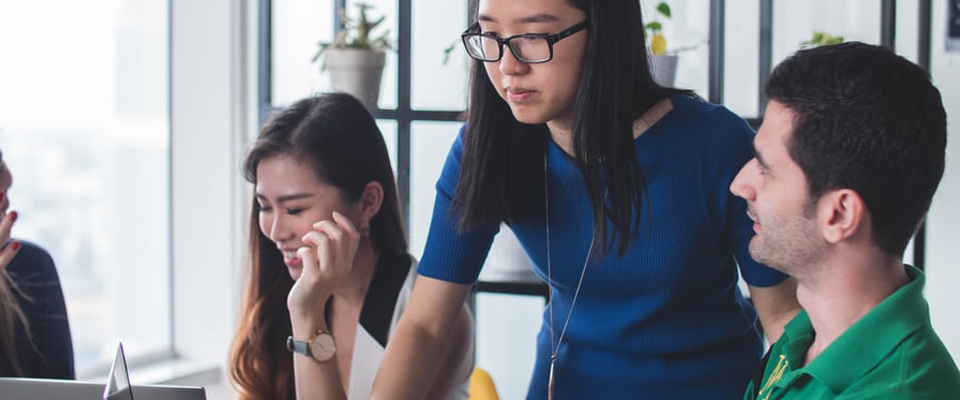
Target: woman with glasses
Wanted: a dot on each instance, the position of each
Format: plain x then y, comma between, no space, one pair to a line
329,270
617,190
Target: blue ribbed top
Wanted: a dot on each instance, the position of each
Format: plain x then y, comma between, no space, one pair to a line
664,320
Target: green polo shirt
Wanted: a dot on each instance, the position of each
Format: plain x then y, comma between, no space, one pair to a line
892,352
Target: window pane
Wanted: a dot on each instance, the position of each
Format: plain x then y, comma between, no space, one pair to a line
84,130
742,58
795,21
388,128
439,85
298,26
508,354
429,144
908,16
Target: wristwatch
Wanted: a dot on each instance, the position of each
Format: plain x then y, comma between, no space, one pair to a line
320,346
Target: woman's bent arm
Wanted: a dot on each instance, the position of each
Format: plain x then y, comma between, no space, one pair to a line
416,349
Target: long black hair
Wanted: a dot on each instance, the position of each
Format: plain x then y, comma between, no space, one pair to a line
339,138
502,158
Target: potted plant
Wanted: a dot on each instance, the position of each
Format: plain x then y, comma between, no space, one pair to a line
821,39
663,66
663,61
355,59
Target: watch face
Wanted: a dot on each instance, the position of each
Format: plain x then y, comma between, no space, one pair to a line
323,347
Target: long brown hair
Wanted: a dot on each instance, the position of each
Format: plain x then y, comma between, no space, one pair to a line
339,138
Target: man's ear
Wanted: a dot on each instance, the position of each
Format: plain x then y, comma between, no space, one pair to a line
369,203
842,214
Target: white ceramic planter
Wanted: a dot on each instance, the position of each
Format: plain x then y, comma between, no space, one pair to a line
664,69
355,71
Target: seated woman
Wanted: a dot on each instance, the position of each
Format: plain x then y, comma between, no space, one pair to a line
329,270
34,331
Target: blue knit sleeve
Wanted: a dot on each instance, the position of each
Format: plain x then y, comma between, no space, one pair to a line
451,255
729,146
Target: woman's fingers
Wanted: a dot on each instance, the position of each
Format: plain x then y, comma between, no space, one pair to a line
6,224
319,244
10,247
335,242
308,258
328,265
345,224
9,251
343,233
332,230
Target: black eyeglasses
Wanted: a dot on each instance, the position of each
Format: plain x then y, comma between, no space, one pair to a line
529,47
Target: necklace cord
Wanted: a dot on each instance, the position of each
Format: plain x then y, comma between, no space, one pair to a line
554,349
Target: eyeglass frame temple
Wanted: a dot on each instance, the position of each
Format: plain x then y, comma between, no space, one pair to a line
551,40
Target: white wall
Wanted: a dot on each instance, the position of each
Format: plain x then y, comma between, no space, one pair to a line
207,121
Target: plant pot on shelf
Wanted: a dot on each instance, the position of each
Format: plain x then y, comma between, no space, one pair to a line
355,71
664,69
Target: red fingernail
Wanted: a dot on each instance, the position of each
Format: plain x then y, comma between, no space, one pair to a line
13,216
15,245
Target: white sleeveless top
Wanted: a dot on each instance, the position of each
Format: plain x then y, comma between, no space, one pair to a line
392,284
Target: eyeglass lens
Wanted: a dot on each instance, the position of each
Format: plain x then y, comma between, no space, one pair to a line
525,48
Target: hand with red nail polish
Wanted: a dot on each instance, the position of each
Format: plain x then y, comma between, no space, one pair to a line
10,247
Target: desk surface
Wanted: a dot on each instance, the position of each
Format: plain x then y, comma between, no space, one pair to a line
32,389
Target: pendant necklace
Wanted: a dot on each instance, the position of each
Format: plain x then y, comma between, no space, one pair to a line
554,349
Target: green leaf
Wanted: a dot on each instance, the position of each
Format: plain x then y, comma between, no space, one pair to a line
377,22
820,38
664,9
653,26
449,50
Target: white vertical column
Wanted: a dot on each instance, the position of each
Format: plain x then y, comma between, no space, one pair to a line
207,122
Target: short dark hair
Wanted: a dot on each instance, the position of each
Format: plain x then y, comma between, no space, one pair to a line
868,120
501,175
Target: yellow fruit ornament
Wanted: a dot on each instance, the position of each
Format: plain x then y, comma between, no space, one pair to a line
658,45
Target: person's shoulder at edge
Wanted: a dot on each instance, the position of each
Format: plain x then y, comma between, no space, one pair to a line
33,264
936,376
715,134
35,274
713,126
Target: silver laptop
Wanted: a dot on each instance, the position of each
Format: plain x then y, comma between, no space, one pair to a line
117,388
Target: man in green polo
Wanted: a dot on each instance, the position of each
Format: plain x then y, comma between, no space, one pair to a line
848,157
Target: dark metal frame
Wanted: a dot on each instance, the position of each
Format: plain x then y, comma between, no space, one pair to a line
404,115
